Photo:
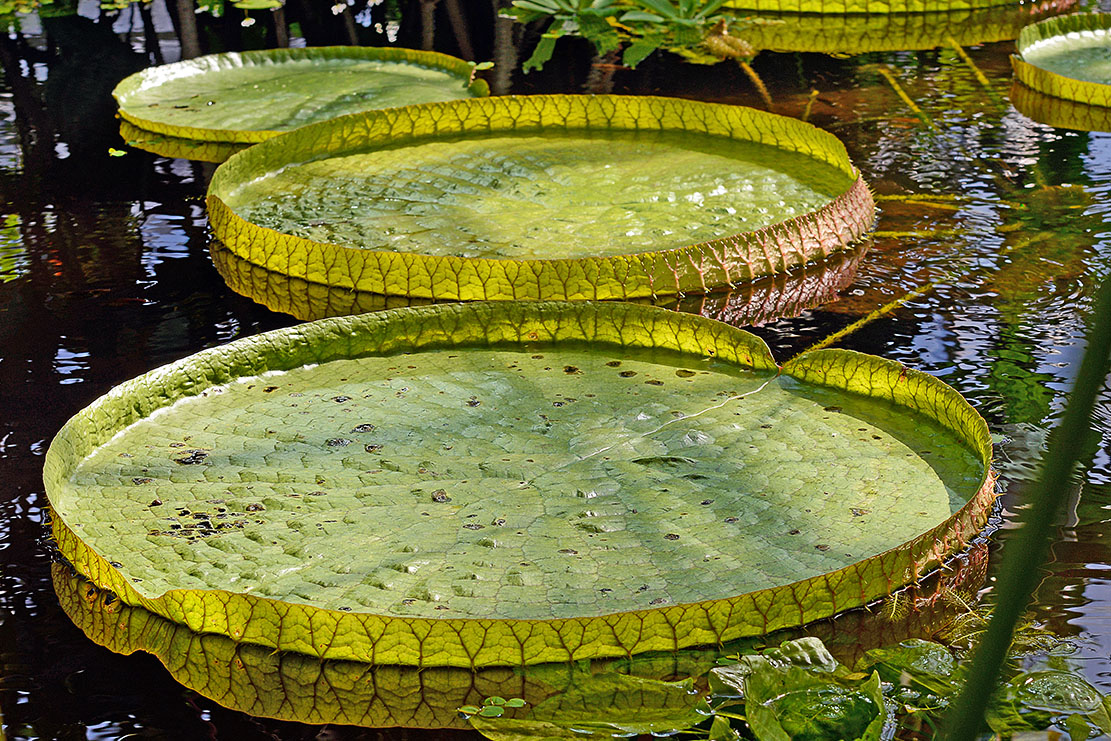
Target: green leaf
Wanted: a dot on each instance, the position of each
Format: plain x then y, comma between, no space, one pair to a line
541,54
599,32
662,7
722,730
638,51
549,490
632,16
801,704
252,96
926,665
483,158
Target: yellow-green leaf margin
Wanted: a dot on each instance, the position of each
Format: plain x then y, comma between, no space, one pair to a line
830,33
153,76
727,261
473,642
869,7
1051,83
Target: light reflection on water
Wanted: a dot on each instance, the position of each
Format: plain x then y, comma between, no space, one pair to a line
105,274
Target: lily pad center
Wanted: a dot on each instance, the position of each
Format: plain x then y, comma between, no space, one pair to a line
569,194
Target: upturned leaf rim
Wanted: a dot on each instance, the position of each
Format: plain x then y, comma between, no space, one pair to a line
724,262
153,76
474,642
1051,83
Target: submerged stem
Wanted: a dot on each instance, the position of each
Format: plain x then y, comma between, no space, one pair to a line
757,82
888,75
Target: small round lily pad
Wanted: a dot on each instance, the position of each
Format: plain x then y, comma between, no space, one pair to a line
542,197
241,98
511,483
1067,57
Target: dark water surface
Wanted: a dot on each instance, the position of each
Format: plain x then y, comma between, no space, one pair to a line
105,273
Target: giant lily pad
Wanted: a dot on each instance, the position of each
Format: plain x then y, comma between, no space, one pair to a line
1068,57
862,7
859,33
164,145
541,197
241,98
513,483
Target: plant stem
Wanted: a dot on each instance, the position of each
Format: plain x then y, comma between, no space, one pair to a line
1027,547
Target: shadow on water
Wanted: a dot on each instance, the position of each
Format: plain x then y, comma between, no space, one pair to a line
994,229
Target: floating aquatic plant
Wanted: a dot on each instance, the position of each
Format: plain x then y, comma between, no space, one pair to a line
542,197
1067,57
212,106
513,483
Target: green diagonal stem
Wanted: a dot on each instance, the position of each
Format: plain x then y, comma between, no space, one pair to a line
1020,571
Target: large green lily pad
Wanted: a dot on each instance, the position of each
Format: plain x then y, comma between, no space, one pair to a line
513,483
862,7
241,98
859,33
541,197
1067,57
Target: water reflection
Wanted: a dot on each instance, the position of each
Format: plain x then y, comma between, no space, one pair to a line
292,687
1059,113
769,299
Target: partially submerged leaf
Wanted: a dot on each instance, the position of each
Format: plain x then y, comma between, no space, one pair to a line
251,96
800,692
1033,700
512,483
542,197
922,665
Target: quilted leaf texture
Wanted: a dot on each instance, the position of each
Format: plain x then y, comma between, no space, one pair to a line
510,483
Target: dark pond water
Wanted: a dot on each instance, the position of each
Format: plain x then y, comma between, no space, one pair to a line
995,230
